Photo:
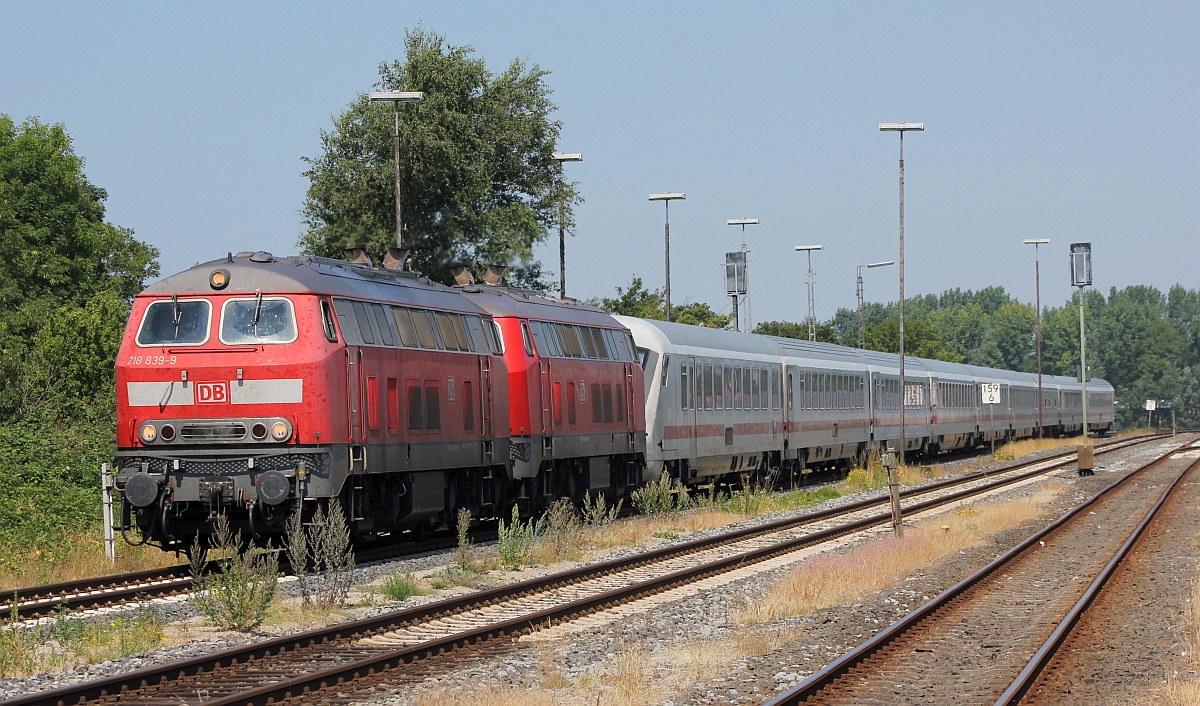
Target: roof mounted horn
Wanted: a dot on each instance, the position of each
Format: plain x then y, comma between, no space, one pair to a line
495,274
395,258
462,275
357,256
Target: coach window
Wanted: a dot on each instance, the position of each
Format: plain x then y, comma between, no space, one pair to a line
683,386
327,321
707,387
755,391
666,367
174,322
385,330
789,391
774,389
256,320
738,403
424,329
404,324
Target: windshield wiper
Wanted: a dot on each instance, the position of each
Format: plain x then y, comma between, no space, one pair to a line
257,311
176,313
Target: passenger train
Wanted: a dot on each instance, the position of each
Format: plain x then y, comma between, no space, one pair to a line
259,386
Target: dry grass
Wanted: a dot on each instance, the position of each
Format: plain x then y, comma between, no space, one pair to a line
488,696
83,558
1018,449
830,580
639,530
1178,691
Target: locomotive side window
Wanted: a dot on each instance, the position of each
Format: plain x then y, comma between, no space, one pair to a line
570,341
495,341
424,329
404,322
589,346
601,347
479,342
551,336
327,321
258,320
460,330
608,403
612,344
525,338
175,322
449,336
364,323
385,329
597,404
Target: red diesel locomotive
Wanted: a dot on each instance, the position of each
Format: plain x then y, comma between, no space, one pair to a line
259,386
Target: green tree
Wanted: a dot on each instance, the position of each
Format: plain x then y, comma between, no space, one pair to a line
69,275
479,182
827,331
636,300
921,340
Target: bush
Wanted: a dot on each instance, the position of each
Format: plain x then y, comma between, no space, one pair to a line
401,586
237,596
597,513
465,553
516,541
332,555
561,529
655,498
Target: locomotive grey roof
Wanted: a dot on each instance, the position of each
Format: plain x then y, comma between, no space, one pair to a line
524,303
263,272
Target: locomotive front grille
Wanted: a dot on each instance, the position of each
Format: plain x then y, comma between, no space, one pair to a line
213,431
317,464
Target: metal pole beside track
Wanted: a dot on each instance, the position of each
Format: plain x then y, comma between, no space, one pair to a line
106,494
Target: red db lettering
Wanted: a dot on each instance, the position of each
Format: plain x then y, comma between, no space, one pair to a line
212,392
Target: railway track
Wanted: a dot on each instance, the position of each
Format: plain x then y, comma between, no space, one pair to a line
294,666
105,591
968,643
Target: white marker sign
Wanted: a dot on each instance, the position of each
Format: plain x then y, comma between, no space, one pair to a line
990,392
1151,405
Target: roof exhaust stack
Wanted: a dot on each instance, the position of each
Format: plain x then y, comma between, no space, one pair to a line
462,275
357,256
495,274
395,258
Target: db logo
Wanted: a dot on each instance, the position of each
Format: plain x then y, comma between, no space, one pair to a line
212,392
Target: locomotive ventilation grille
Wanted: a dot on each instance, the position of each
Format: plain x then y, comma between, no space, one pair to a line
212,431
316,464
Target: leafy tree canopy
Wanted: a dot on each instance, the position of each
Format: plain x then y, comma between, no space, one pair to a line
636,300
479,182
69,275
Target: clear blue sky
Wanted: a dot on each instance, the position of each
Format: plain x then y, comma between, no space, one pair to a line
1073,121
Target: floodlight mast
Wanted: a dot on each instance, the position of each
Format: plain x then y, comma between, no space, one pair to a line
562,237
396,98
1037,287
858,290
743,222
900,127
667,198
812,310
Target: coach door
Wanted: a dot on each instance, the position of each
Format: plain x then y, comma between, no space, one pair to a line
685,407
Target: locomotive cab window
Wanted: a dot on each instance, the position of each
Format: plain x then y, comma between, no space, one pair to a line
258,320
327,321
175,322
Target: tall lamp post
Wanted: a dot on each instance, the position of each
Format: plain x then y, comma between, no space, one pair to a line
667,198
858,291
812,307
1037,288
743,222
902,127
396,256
562,227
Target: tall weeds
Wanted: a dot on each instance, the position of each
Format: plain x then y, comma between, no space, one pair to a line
516,541
237,596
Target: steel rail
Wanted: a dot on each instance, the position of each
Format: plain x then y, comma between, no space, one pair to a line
1025,680
810,687
113,686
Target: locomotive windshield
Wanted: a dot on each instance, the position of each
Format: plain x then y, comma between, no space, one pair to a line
258,320
175,322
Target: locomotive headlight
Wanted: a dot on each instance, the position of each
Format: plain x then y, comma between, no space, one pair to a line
281,430
166,433
148,433
218,279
